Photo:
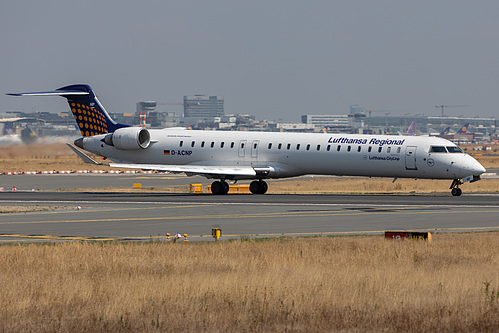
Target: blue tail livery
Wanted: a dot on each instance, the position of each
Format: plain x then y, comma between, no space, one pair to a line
464,128
90,115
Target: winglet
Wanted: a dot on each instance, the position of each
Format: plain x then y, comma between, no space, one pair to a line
85,157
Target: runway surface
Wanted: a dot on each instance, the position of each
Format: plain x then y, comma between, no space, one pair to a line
142,216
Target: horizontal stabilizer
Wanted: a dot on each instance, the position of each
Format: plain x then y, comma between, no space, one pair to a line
84,157
91,117
51,93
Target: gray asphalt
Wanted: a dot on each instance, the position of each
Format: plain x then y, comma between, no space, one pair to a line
142,216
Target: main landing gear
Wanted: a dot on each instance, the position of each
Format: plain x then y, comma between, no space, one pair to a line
220,187
256,187
455,190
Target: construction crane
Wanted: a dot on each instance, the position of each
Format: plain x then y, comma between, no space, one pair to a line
184,104
451,106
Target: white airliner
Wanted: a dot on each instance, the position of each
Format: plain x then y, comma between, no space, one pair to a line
256,156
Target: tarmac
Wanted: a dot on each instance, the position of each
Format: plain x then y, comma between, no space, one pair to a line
87,216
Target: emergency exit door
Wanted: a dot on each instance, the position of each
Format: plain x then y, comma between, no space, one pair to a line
242,147
254,148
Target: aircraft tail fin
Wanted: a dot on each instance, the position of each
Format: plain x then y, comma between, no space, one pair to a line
90,115
464,128
410,130
445,131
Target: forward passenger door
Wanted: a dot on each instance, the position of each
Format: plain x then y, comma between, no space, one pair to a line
410,158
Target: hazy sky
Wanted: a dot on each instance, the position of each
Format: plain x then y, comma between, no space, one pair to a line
274,59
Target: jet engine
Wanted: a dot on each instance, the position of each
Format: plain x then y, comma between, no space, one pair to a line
128,138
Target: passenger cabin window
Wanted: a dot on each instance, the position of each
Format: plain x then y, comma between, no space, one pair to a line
193,143
232,144
181,143
298,147
289,146
380,149
398,150
222,144
212,144
270,145
308,147
388,149
359,148
202,144
454,149
318,147
369,149
349,148
438,149
338,148
279,146
328,147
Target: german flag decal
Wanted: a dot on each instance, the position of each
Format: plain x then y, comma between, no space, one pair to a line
166,152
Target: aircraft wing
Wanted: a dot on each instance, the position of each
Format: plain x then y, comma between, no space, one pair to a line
191,169
188,169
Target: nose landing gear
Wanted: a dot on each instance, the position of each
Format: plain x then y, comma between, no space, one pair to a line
455,190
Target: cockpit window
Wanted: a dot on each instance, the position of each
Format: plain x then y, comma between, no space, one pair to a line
454,149
438,149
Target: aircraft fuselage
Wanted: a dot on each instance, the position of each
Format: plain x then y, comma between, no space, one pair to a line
294,154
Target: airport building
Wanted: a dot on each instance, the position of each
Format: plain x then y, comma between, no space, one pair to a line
146,110
204,107
207,112
334,123
364,121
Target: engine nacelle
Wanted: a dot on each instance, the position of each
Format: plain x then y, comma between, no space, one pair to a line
128,138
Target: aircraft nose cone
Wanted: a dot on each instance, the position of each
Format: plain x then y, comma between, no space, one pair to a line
478,169
468,166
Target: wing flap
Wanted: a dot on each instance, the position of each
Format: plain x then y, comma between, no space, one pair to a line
191,169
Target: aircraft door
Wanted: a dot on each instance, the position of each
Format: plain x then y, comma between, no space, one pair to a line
242,147
410,158
254,148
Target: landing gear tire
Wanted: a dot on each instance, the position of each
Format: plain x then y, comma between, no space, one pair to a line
219,187
258,187
455,190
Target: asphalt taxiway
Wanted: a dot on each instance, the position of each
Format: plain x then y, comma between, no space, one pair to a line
144,216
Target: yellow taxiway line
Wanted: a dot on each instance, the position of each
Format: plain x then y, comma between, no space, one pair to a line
11,237
400,211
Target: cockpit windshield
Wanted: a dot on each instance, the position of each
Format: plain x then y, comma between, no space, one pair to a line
454,149
448,149
438,149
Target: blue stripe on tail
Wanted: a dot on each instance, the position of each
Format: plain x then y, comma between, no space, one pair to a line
90,115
